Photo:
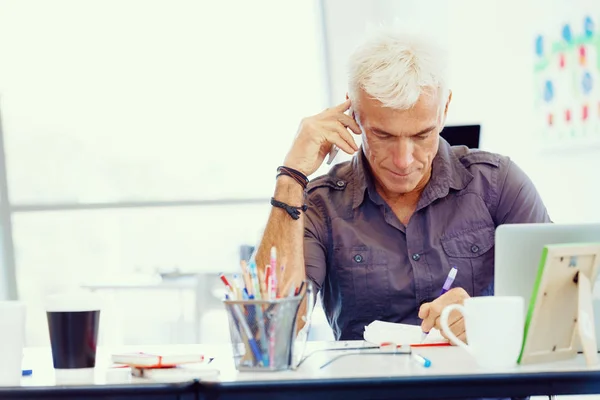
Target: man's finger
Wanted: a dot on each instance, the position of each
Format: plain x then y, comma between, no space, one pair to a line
424,311
342,107
429,322
454,317
344,134
335,138
350,122
458,325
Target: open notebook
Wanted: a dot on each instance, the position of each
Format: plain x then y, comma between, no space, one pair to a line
378,332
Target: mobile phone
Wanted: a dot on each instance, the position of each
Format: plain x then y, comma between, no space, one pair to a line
334,149
332,153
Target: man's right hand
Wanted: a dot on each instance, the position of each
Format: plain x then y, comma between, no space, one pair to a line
317,134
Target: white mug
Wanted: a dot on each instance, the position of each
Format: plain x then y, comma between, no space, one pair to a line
12,341
494,329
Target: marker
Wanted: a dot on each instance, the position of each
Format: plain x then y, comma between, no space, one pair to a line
272,278
228,285
449,280
425,362
447,285
273,260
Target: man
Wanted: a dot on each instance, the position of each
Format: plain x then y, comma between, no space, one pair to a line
380,233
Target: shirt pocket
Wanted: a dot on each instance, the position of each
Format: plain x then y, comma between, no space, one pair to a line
471,252
362,274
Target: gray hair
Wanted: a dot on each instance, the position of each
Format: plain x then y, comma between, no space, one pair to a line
395,68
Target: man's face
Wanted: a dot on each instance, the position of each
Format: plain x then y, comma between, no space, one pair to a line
401,144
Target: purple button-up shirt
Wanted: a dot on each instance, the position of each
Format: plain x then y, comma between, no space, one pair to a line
369,266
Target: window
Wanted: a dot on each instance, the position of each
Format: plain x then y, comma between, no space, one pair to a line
145,104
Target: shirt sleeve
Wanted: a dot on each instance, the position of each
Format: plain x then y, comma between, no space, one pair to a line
314,246
519,200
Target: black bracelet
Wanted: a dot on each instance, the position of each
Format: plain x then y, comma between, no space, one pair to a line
294,174
294,212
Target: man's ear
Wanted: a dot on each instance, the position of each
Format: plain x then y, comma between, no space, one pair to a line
445,114
447,103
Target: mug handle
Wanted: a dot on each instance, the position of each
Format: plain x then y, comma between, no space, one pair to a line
446,329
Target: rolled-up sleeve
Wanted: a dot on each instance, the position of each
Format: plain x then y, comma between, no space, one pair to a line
519,200
314,245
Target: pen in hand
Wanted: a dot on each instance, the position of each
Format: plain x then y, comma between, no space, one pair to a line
447,285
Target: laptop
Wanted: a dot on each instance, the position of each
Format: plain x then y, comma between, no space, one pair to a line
465,135
518,249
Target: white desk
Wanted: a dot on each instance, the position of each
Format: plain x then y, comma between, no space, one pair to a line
453,374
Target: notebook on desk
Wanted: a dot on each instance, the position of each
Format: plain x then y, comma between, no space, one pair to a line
378,332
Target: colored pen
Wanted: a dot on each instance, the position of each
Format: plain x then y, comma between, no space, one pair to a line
238,285
255,282
228,285
249,335
425,362
273,260
449,280
27,372
272,287
246,276
259,313
447,285
268,280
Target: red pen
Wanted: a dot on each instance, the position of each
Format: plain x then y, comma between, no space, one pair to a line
430,344
268,280
227,284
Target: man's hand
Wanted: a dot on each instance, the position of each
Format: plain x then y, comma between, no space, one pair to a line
430,313
317,134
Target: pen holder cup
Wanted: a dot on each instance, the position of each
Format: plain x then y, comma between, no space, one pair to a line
264,333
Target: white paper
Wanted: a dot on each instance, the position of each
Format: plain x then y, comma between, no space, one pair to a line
378,332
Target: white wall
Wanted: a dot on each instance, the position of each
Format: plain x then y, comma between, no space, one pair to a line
490,45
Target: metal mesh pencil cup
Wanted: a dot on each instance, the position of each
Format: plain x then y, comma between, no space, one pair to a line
263,332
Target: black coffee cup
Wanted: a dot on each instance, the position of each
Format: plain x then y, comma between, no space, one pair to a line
73,322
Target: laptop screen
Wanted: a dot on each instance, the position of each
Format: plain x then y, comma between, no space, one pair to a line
467,135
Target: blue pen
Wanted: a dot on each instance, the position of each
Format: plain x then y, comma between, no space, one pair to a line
445,288
259,314
27,372
421,360
251,341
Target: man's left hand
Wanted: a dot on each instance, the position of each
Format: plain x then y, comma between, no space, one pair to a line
430,313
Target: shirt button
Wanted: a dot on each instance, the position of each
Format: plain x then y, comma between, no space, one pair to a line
340,183
474,249
358,258
416,256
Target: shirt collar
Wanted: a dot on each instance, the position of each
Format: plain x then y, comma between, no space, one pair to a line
447,173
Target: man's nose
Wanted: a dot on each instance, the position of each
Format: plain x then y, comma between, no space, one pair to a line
403,154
